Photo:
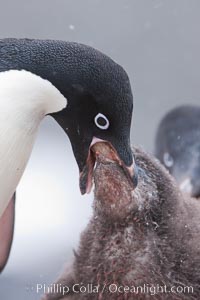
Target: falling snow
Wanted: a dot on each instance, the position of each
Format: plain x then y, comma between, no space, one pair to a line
71,27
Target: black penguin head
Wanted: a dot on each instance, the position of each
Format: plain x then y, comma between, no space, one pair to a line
95,115
178,147
97,90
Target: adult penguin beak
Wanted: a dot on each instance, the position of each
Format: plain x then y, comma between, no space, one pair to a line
102,148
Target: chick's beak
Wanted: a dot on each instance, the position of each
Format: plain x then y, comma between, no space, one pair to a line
104,152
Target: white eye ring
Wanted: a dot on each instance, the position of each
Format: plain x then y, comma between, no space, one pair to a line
107,123
168,160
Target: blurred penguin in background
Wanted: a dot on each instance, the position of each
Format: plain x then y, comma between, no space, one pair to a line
177,146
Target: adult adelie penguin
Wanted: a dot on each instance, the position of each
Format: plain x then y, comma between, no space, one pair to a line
178,146
97,90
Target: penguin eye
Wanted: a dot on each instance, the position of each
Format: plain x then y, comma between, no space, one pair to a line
168,160
101,121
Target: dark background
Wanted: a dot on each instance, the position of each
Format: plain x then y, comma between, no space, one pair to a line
158,43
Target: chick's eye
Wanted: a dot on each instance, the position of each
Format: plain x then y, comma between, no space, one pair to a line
101,121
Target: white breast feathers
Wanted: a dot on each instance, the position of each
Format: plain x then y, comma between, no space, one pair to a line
25,99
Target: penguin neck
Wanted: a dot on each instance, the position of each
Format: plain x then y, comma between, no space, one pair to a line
24,100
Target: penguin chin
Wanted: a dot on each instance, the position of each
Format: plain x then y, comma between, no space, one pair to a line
101,153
